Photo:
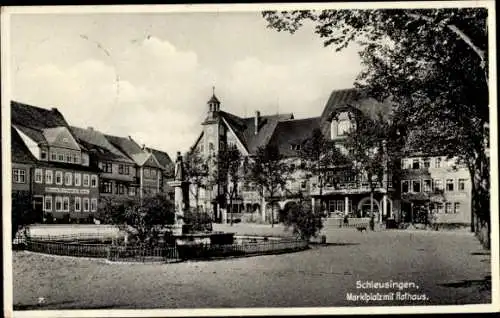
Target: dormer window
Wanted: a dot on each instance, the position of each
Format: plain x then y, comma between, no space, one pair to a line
295,147
343,127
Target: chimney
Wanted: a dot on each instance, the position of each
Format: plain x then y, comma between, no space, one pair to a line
143,146
257,120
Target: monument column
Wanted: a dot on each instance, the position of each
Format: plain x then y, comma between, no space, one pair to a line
180,200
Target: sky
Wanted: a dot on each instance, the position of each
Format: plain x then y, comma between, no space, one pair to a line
150,75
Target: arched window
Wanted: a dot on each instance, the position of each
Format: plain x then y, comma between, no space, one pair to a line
343,128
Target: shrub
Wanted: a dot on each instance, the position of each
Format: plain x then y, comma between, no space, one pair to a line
303,220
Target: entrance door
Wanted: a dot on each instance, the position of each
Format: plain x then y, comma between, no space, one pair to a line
38,209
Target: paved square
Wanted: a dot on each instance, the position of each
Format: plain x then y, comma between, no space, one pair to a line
448,268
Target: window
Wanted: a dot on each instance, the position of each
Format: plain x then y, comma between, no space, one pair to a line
68,178
153,172
211,146
405,186
78,204
461,184
93,205
93,182
439,207
120,188
404,162
107,187
85,204
448,208
75,158
43,155
38,175
131,191
107,167
427,163
336,206
68,158
456,208
120,169
48,203
60,157
343,127
86,180
427,185
449,185
415,164
416,185
437,162
48,176
59,177
303,185
438,184
59,203
66,204
146,172
53,156
78,179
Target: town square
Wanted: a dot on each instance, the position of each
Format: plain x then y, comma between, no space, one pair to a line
250,157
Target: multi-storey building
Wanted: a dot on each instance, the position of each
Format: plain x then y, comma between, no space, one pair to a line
349,194
167,171
221,129
148,171
118,177
436,184
63,184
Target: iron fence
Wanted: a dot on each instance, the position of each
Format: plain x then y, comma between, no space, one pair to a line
243,247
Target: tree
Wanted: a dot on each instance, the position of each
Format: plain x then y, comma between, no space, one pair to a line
305,222
143,218
197,173
433,64
268,171
229,163
320,155
366,145
22,211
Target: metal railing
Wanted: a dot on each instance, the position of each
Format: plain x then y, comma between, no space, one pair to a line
244,246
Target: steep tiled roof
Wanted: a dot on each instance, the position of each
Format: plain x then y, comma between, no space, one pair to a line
293,132
36,117
99,145
129,147
126,145
163,159
353,99
20,153
244,128
35,134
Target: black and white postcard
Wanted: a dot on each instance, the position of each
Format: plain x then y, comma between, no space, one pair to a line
242,159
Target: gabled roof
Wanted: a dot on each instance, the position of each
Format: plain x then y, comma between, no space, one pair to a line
163,159
20,153
36,117
293,132
354,99
98,145
34,134
126,145
244,128
129,147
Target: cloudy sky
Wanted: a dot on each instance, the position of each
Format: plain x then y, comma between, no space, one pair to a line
150,75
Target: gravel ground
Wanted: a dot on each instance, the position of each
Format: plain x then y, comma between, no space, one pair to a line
449,268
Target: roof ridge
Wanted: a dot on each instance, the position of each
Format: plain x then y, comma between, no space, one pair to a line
14,102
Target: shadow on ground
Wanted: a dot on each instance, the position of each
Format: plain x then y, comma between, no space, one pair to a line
486,253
